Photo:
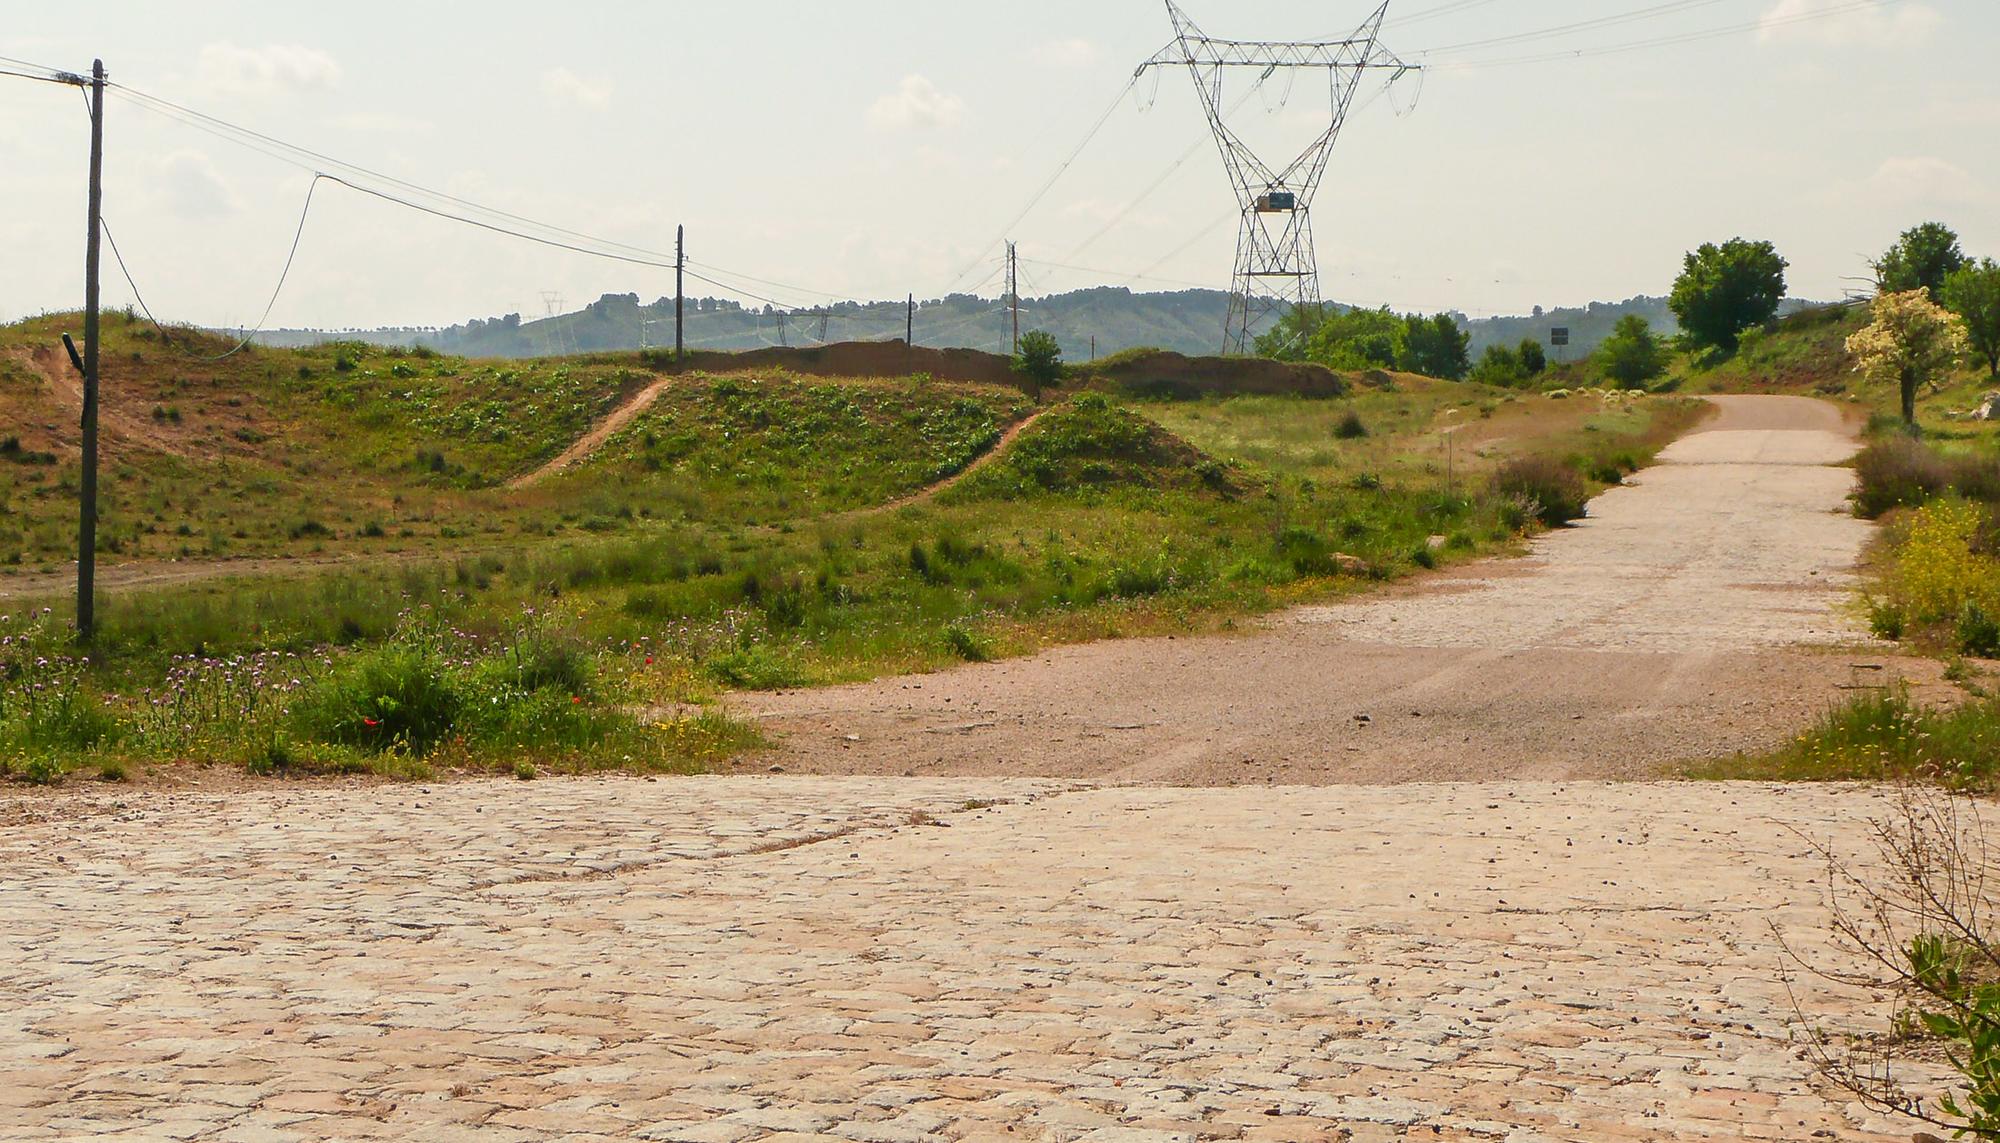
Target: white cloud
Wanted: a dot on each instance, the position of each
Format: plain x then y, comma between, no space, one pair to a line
917,104
228,68
1900,25
567,88
380,123
193,188
1925,178
1066,53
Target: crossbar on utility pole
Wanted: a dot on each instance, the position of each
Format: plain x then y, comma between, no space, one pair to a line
86,528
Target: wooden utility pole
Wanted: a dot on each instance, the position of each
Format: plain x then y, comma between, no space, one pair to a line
680,265
86,525
1014,293
910,323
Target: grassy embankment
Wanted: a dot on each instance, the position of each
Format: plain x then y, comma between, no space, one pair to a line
730,536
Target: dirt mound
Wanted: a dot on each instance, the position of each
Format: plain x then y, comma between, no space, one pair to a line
1137,372
857,359
1164,373
1089,443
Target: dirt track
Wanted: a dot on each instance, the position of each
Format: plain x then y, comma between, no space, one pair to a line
1698,611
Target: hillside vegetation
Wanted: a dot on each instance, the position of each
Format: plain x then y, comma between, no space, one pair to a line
745,530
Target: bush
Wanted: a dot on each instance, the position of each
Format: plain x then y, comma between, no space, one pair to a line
1546,488
1937,575
1350,426
393,697
965,644
1899,471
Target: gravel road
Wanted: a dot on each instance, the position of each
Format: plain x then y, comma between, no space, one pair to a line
1699,610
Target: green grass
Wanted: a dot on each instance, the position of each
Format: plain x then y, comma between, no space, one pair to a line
733,536
750,449
1879,737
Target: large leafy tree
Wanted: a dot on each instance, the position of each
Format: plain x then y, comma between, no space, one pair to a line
1435,346
1039,361
1724,290
1909,343
1973,293
1632,355
1500,365
1533,357
1921,260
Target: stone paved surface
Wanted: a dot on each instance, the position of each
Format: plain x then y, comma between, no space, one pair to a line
681,959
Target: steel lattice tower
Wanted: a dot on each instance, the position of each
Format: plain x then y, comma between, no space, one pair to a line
1275,268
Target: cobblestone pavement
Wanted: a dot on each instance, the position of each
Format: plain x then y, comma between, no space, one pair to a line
880,960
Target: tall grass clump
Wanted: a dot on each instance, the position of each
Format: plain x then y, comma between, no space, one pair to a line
1899,471
1549,490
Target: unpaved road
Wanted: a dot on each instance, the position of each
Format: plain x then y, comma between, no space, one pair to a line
1698,611
864,959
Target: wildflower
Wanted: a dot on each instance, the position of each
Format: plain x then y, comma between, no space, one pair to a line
573,699
366,721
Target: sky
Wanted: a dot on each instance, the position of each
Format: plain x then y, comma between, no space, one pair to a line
876,148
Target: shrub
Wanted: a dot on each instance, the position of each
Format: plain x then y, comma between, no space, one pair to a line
1937,574
1350,426
1544,487
393,697
965,644
1899,471
1978,632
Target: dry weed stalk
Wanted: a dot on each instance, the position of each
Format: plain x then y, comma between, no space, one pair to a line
1920,925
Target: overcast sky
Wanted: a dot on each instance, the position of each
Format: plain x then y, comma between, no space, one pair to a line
876,147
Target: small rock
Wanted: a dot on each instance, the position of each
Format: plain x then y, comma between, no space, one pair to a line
777,769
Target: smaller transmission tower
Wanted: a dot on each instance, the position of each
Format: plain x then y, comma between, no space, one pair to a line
1275,265
1014,293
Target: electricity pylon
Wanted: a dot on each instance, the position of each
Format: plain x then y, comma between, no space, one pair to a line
1275,267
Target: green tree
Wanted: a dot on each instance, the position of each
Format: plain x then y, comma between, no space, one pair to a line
1973,293
1038,359
1500,365
1533,358
1910,342
1287,338
1724,290
1357,340
1632,355
1922,258
1435,346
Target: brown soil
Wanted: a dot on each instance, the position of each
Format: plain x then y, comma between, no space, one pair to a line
115,420
1165,373
588,443
1155,373
1698,611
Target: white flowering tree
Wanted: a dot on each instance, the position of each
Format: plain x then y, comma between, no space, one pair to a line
1911,341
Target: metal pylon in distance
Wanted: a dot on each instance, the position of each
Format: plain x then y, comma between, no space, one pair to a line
1275,268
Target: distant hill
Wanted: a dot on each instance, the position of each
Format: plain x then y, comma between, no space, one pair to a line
1100,321
1189,321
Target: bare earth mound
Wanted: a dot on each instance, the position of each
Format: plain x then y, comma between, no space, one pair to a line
1696,612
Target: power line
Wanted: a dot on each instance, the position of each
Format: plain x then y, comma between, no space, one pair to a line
1650,13
283,274
1670,40
1057,174
355,175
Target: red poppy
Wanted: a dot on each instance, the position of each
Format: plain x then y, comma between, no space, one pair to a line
365,721
649,660
574,699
